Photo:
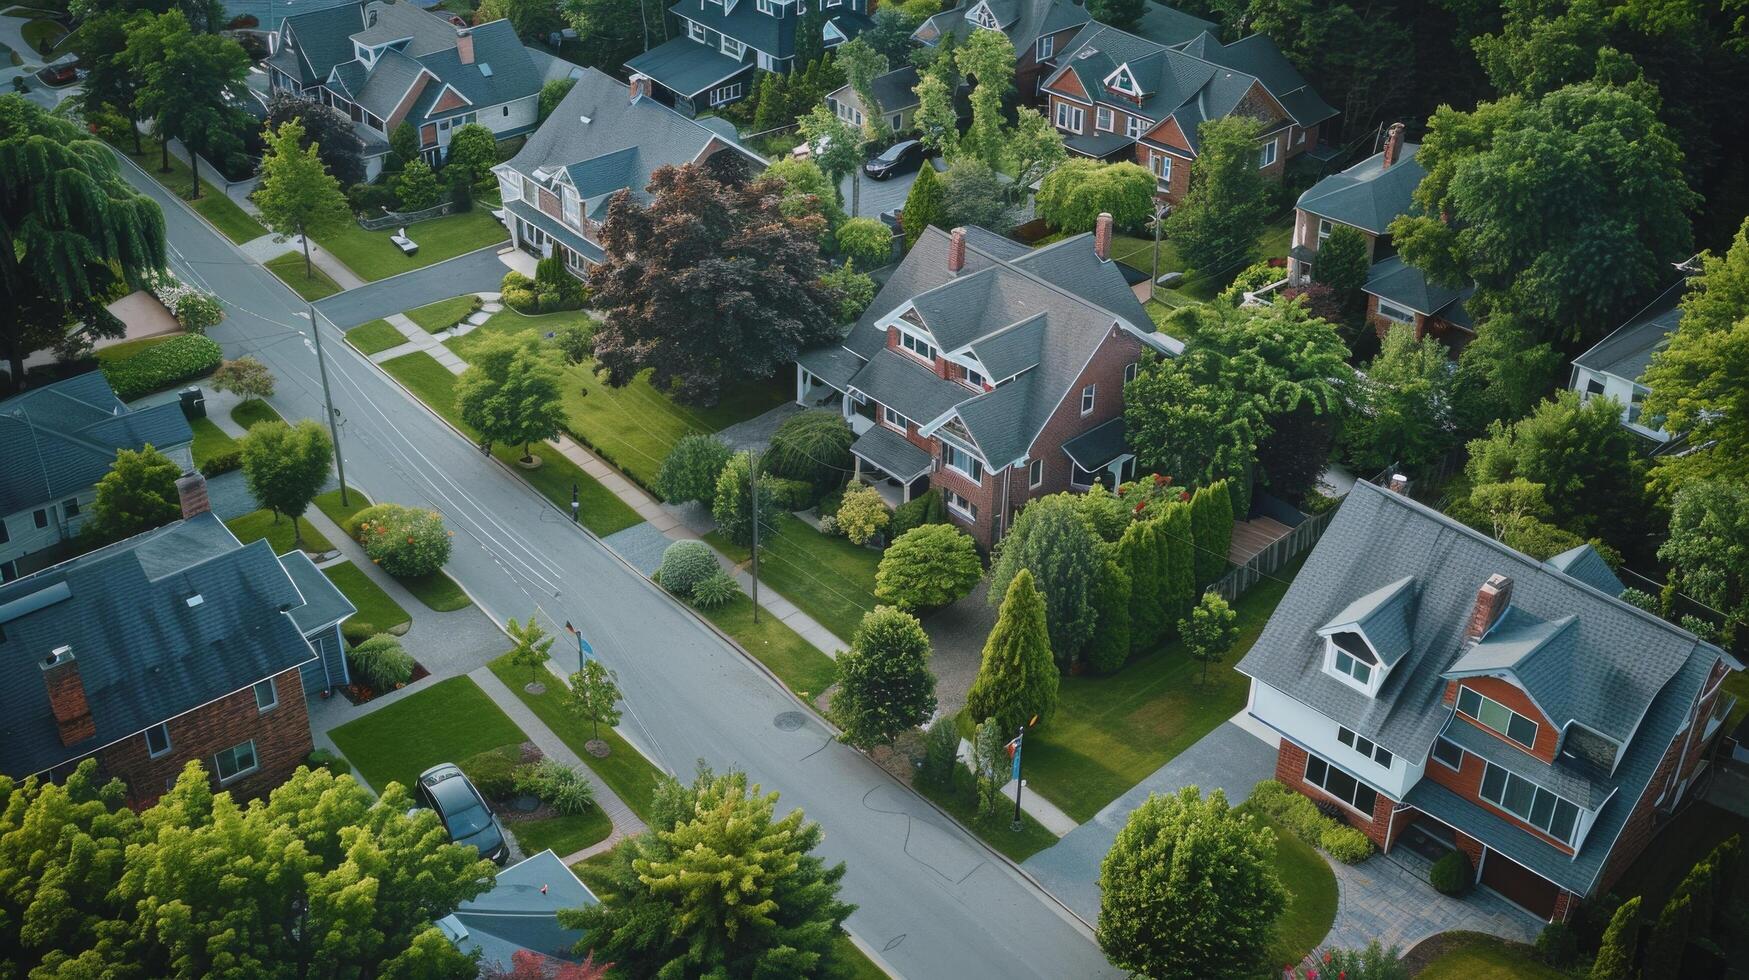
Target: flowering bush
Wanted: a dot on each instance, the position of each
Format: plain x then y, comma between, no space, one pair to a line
381,663
162,365
406,541
194,308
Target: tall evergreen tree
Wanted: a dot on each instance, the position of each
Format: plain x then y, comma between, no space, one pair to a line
773,109
1053,540
923,205
1140,555
1017,678
1615,958
1175,537
1112,635
1211,527
885,687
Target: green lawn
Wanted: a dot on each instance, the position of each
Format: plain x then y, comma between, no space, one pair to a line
1311,905
290,270
794,660
212,204
1110,732
378,612
210,440
372,256
447,722
444,313
632,427
1199,286
438,592
829,578
564,834
260,524
625,770
1475,956
602,512
247,414
329,503
128,348
375,337
1017,845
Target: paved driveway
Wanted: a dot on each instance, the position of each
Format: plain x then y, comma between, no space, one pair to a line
877,195
479,271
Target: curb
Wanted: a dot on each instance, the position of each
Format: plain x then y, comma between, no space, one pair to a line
372,282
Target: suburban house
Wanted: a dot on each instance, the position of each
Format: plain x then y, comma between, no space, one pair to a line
721,42
57,441
895,91
1118,96
602,138
388,63
1040,30
1398,293
1444,691
991,372
521,913
1613,367
176,645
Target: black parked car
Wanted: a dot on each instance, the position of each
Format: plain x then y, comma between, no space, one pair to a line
900,158
446,789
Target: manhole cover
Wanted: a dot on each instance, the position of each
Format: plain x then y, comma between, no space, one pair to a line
789,721
526,803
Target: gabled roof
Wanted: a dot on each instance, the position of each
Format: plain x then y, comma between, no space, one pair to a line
1260,58
1628,350
1586,565
323,39
1385,616
390,78
500,72
58,440
1368,195
1023,21
419,32
776,36
1403,284
144,654
687,67
521,912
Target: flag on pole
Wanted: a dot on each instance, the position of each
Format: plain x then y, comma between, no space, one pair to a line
1013,748
582,644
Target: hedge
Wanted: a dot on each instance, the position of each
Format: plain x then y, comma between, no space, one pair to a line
1300,817
223,462
159,367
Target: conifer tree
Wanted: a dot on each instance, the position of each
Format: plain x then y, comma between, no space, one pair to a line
1017,678
1112,636
885,686
773,109
923,205
1174,540
1140,555
1211,527
1615,958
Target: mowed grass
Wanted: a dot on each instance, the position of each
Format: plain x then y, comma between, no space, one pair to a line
1200,285
625,770
829,578
375,337
260,524
378,612
961,804
1475,956
803,669
311,285
634,427
1110,732
433,384
444,313
128,348
210,440
252,412
447,722
1311,905
371,255
225,214
564,834
329,504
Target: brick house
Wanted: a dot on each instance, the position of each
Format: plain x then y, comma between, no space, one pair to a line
1445,691
1039,30
991,372
176,645
386,63
1119,96
602,138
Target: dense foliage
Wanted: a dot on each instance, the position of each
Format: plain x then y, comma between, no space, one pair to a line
285,467
137,494
407,542
884,684
1017,680
928,567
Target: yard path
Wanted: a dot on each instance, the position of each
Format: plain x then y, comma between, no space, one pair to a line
419,339
625,822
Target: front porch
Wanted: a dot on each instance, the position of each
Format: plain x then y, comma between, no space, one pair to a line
890,463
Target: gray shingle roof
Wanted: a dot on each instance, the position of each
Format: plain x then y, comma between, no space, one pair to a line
514,74
1164,25
1023,21
323,39
1260,58
908,387
1628,350
1098,446
421,31
144,654
776,36
324,603
390,78
687,67
1586,565
1608,661
1403,284
892,453
521,911
1580,785
1385,616
1012,349
1368,195
59,440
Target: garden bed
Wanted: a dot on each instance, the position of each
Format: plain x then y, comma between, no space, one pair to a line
358,692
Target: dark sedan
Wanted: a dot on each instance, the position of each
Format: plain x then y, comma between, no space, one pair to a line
900,158
446,789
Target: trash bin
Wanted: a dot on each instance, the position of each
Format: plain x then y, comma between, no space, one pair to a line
193,403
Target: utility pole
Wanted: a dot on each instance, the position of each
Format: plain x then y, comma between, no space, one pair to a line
753,485
328,400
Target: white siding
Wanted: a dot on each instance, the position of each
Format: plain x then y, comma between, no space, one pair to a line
1318,733
25,538
522,113
1620,389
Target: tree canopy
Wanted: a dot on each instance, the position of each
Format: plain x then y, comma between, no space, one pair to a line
510,391
194,87
1708,547
297,195
1216,226
1405,405
1017,680
285,467
326,128
987,57
137,494
1074,194
885,687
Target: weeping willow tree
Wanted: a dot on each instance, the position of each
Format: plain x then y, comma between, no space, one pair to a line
71,229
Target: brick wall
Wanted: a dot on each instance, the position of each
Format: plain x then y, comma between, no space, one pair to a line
1177,183
1290,771
1466,781
1508,694
281,734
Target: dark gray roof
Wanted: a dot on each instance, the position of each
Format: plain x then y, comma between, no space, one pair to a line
324,603
1012,349
552,226
521,912
892,453
1098,446
896,90
1628,350
687,67
1403,284
348,78
144,654
1023,21
1611,656
1368,195
513,74
390,78
1586,565
1097,146
908,387
59,440
833,365
1260,58
323,39
1072,265
776,36
423,32
1385,616
1164,25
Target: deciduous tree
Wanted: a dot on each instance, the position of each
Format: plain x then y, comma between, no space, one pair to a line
936,118
987,57
1579,450
1215,227
1017,679
325,128
417,186
137,494
297,195
553,93
1122,14
866,241
973,196
246,377
194,84
1054,541
611,32
1074,195
862,65
473,152
510,392
1708,547
1405,405
1209,630
1034,147
532,647
1342,263
689,472
285,467
884,684
835,147
594,697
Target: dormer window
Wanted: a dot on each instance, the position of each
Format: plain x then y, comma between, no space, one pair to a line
1352,659
1123,81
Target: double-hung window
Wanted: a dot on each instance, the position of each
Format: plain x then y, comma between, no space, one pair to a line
1340,785
1047,46
1070,117
975,379
1102,119
1266,155
1325,227
1529,802
733,48
1496,717
1134,127
238,760
1087,396
571,207
961,506
962,462
1162,165
697,32
1035,473
894,419
1448,753
266,698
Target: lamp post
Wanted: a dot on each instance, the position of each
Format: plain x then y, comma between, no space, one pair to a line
1019,787
584,650
576,505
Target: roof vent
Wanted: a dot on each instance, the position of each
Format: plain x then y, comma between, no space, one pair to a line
1086,53
486,68
583,119
195,600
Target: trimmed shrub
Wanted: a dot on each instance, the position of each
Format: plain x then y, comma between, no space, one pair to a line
223,462
557,784
550,271
791,495
406,541
863,514
324,759
156,368
829,526
493,772
1451,874
685,564
1295,813
732,507
371,200
918,511
715,590
941,746
689,472
813,446
927,568
1345,844
1558,945
521,300
381,663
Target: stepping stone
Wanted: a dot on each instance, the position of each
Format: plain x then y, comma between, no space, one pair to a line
491,307
478,318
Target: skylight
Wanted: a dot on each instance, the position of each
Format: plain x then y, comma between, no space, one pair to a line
486,68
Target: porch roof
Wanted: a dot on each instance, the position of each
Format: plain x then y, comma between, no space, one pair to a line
685,67
892,454
1098,446
834,365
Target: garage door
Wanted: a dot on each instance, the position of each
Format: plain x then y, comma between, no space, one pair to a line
1518,885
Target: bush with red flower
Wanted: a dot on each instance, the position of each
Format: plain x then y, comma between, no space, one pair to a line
408,542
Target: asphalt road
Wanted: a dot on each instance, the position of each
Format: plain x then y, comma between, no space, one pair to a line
931,901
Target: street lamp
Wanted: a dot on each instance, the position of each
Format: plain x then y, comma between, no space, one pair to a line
584,650
576,505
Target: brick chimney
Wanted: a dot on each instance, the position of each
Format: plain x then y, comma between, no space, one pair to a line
1491,602
1399,484
1102,237
67,697
956,250
191,489
639,85
1393,144
464,46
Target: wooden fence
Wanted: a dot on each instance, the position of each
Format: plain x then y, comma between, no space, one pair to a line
1273,557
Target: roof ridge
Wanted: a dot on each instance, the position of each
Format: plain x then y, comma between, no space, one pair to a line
1035,277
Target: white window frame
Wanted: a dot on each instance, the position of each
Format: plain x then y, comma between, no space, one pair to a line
272,696
1035,474
894,420
960,505
724,94
973,469
254,762
1069,116
1528,816
570,206
1395,313
1325,227
1433,753
1266,155
697,32
162,728
1047,46
975,378
1299,135
1134,127
911,344
1355,667
1089,398
738,51
1161,164
1130,371
1481,706
765,7
1104,120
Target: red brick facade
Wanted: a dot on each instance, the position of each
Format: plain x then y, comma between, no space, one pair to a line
1452,335
1510,695
1290,771
281,735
